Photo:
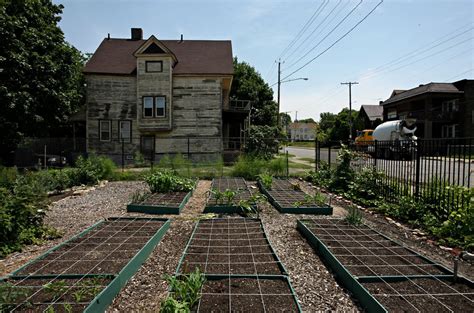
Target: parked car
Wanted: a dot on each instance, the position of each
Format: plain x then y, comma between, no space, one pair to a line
51,160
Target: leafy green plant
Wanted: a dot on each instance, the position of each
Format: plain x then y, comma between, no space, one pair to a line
138,159
277,166
87,288
344,172
138,197
266,180
56,289
166,181
92,169
318,198
248,167
217,195
354,216
10,295
251,205
229,196
184,290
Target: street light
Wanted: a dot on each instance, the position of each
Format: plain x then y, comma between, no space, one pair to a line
279,83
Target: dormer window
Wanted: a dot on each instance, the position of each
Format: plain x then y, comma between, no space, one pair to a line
154,106
154,66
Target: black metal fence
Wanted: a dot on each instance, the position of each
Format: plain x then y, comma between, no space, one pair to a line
430,168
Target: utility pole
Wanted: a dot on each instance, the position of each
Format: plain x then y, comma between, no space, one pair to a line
296,116
278,99
350,106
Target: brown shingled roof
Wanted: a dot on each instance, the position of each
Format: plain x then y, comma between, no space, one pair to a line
115,56
373,111
422,89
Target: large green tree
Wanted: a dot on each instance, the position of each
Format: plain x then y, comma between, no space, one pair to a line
335,127
41,82
248,84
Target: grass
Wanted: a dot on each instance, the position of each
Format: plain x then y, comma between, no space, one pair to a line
306,144
299,165
284,154
310,160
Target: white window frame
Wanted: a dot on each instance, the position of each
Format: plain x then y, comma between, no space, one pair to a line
156,106
129,135
152,107
109,130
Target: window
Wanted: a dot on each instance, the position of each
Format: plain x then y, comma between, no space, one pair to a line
125,128
148,106
154,106
450,106
160,104
153,66
105,130
147,146
392,114
450,131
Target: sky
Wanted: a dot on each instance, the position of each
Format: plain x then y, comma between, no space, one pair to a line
400,45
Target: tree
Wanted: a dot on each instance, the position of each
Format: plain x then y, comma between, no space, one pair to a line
247,84
285,119
307,120
41,82
335,127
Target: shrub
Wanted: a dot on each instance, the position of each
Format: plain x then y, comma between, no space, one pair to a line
166,181
367,187
322,177
55,180
248,167
94,168
277,166
263,141
8,176
343,173
22,210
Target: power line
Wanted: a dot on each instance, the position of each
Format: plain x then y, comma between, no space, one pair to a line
460,74
327,35
305,27
418,60
317,27
335,42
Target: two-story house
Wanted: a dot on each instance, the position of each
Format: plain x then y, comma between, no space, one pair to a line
159,97
441,110
300,131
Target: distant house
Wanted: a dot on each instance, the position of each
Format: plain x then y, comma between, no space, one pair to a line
161,97
371,115
442,110
302,131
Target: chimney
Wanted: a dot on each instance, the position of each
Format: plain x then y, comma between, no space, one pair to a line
181,40
137,34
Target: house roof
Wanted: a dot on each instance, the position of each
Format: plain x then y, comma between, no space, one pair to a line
298,125
422,89
116,56
373,111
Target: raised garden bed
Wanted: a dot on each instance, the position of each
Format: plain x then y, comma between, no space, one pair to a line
222,205
87,271
161,203
287,199
247,294
243,273
230,246
382,274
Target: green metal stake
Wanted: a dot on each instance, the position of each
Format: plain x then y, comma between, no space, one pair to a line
287,165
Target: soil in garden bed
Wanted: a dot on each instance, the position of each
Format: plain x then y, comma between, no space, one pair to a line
424,295
236,184
287,196
364,252
104,250
230,246
169,199
30,294
247,294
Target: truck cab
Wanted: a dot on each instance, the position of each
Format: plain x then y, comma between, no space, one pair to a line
364,137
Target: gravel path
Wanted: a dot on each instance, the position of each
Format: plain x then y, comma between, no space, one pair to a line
314,285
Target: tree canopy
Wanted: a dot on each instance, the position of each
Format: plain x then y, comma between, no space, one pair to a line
41,82
335,127
248,84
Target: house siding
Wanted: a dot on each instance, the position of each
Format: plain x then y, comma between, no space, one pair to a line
111,98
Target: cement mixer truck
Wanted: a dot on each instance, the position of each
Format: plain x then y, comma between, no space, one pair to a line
394,140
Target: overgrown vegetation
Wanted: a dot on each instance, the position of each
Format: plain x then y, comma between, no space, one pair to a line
354,216
250,167
443,210
184,292
266,180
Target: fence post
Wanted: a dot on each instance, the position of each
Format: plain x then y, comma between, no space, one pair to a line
189,154
417,165
287,166
152,157
375,154
123,155
45,164
316,161
329,154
